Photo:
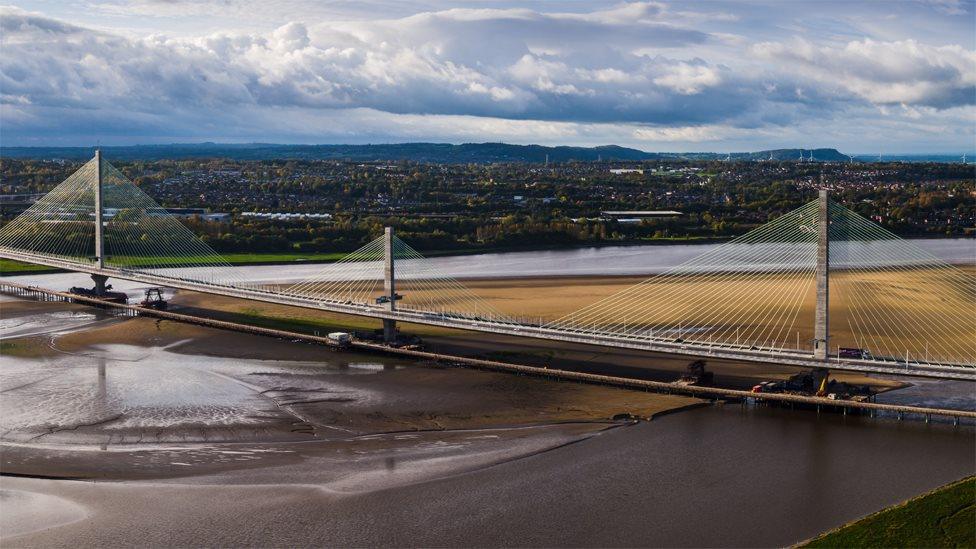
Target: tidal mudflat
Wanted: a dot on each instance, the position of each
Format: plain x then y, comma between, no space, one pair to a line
99,398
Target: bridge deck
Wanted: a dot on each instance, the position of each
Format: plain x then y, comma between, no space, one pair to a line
723,351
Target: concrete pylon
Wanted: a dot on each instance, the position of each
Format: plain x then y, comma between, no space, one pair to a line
98,279
821,343
99,223
389,285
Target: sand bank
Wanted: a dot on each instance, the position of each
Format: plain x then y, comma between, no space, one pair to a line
26,512
140,382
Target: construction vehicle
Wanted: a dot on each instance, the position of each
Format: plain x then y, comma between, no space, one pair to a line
113,297
696,374
154,300
816,382
822,388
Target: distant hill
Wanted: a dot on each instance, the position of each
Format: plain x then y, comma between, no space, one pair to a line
419,152
819,155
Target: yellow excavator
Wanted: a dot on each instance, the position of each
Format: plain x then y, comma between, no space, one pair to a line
822,390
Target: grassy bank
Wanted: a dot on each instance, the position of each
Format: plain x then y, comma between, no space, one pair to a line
943,518
9,267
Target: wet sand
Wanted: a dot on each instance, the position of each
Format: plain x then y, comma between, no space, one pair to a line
141,381
26,512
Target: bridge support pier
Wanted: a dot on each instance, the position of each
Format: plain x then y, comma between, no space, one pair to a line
100,281
389,331
389,286
821,345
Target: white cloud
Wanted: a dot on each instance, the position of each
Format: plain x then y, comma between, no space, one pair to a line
688,79
900,72
642,72
686,134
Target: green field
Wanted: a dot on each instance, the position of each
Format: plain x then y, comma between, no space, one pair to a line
943,518
10,267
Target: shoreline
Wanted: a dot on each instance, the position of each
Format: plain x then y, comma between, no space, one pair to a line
295,394
84,459
861,522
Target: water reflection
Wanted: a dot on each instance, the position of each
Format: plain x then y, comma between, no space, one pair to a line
124,388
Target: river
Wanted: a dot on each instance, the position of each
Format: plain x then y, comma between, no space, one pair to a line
722,476
593,261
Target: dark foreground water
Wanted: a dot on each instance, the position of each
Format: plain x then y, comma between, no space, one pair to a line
710,477
713,477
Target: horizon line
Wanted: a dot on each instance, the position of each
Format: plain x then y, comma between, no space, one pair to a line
392,143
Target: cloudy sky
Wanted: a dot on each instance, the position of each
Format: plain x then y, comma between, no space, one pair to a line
880,76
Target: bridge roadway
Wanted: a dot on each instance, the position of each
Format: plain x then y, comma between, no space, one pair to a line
724,351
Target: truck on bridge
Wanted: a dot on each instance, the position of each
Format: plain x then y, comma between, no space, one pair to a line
851,352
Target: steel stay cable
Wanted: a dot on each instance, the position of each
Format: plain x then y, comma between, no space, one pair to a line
581,317
317,279
716,283
793,276
462,293
945,324
911,320
861,302
733,305
335,274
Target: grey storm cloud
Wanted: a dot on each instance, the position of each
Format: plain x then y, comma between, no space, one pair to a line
631,64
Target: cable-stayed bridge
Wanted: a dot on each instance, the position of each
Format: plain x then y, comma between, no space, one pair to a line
818,287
